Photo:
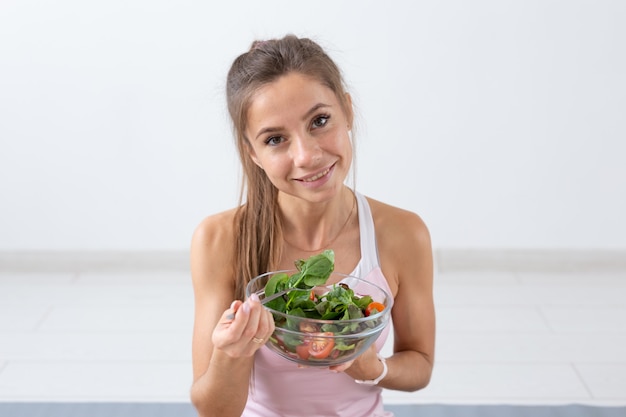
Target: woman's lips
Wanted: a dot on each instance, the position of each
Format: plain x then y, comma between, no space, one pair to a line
318,175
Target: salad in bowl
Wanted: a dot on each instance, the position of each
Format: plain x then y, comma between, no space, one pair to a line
322,318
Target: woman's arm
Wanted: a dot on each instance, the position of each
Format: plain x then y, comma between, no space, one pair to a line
406,260
222,347
407,257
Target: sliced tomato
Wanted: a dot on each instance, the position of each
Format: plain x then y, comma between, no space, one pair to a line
320,347
303,350
374,306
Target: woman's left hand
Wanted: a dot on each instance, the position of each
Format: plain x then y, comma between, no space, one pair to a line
366,366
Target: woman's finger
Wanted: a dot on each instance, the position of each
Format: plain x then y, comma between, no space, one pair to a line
246,324
268,324
229,315
255,310
342,367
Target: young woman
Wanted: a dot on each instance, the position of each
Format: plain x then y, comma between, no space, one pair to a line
293,119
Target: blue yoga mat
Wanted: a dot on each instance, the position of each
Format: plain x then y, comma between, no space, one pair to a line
17,409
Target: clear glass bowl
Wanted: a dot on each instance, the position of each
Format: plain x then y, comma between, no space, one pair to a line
317,342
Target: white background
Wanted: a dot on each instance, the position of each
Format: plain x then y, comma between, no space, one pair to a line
501,123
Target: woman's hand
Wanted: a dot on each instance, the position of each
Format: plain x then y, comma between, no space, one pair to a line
367,366
243,328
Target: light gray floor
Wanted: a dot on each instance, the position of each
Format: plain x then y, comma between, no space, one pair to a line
504,337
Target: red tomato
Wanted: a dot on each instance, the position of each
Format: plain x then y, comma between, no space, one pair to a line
374,306
320,347
303,350
312,296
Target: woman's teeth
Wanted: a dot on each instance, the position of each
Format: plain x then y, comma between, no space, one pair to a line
317,177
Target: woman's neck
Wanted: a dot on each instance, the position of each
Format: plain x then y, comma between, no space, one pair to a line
313,227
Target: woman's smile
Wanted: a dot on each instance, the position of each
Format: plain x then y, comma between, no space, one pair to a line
318,176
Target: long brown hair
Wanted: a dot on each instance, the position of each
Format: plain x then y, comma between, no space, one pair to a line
257,223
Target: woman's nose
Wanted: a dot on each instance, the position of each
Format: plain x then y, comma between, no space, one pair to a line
305,151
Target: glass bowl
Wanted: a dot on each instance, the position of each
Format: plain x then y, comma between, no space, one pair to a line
325,342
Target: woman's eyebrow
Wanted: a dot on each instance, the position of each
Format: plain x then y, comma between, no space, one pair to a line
314,109
268,130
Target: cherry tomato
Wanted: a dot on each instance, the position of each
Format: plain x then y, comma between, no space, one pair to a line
374,306
320,347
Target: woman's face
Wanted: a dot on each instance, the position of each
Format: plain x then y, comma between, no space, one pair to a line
299,135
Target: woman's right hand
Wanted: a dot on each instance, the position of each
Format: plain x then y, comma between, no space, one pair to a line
243,328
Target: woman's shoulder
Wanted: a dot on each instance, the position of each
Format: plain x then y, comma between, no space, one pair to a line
212,254
215,226
398,231
218,225
395,218
215,234
404,245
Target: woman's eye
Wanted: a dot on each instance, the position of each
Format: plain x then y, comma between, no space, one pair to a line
274,140
320,121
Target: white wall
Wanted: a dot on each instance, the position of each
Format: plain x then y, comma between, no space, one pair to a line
500,122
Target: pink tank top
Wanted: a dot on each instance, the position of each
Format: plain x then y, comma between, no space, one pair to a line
278,388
